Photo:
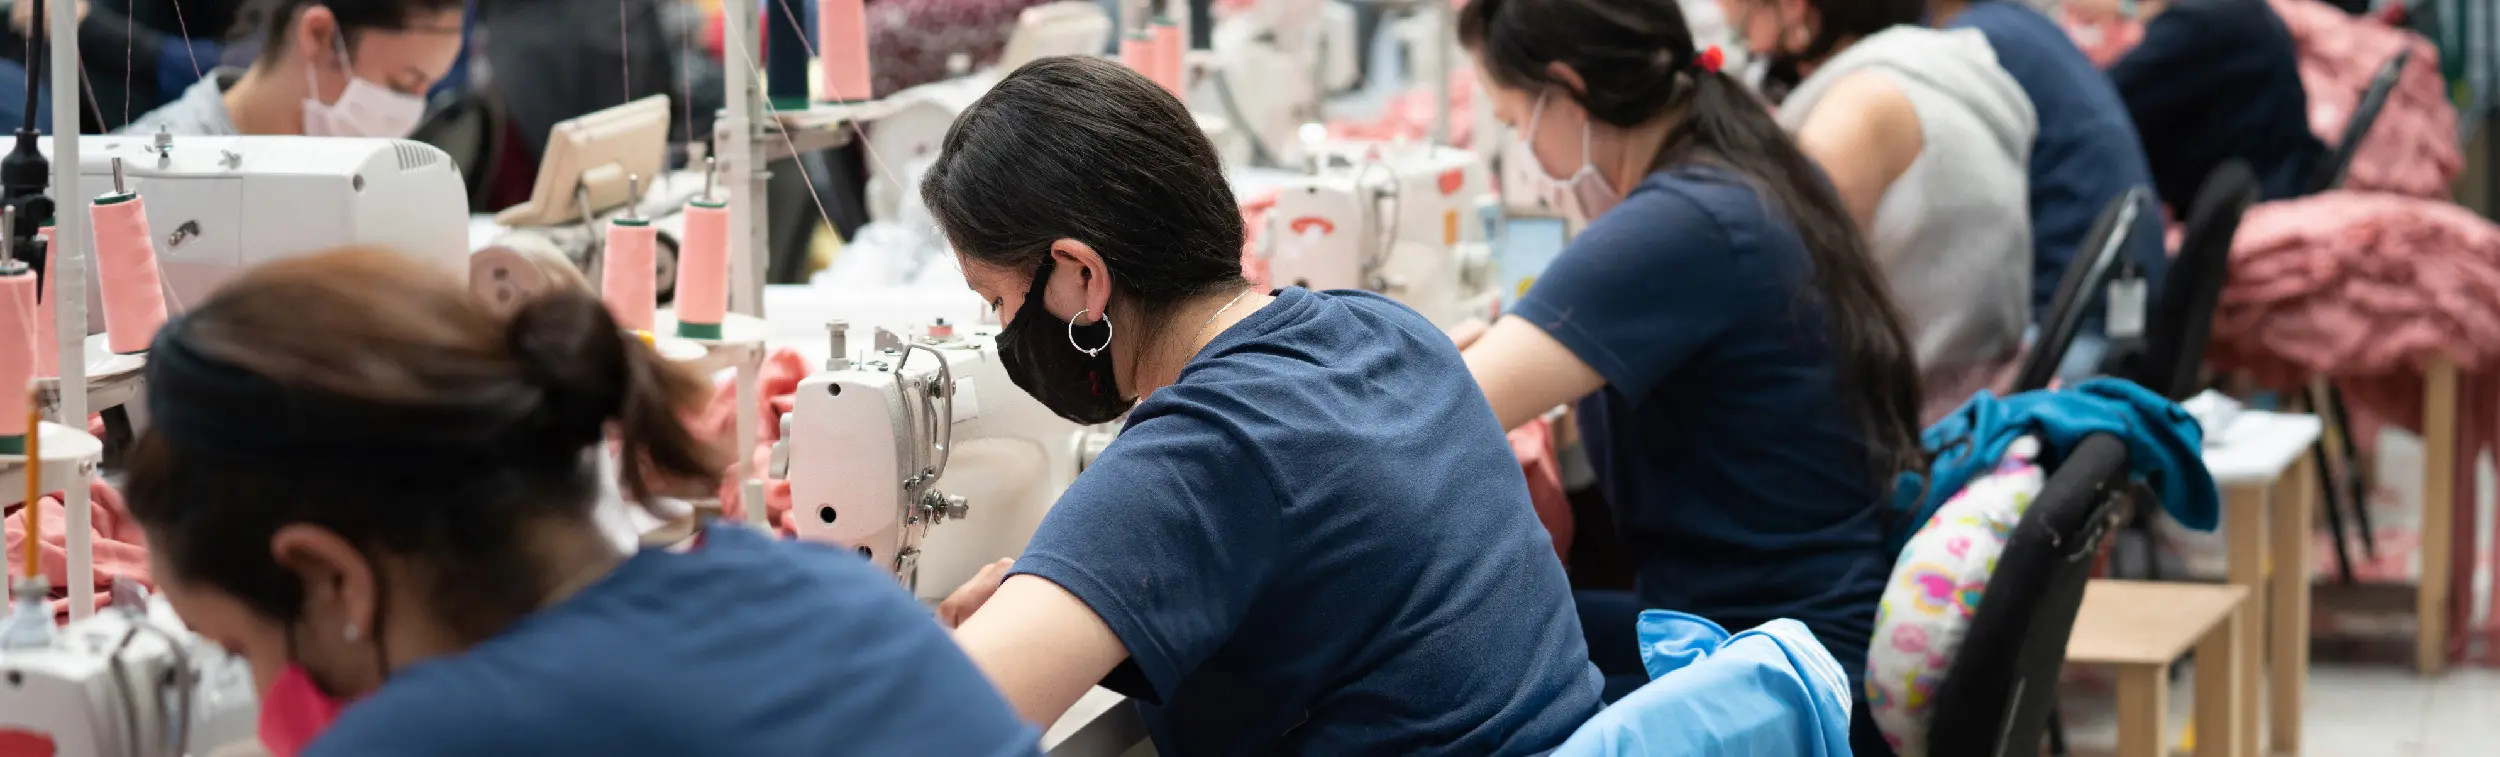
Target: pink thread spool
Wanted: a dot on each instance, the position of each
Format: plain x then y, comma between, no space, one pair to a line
1137,51
1167,54
47,337
125,252
703,270
842,48
17,352
628,276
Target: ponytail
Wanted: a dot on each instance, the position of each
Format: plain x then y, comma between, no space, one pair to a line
1639,63
595,376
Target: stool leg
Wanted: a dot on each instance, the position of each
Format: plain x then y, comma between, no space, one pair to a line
2354,472
2219,704
2141,709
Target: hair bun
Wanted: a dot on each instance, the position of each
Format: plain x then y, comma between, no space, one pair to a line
568,344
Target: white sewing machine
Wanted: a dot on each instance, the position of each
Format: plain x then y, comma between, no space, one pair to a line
878,451
1272,66
129,683
1401,220
219,205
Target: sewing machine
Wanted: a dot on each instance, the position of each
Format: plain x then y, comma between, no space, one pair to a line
1401,220
1270,67
128,683
219,205
925,428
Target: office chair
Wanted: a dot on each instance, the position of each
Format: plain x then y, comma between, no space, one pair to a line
2096,259
1999,694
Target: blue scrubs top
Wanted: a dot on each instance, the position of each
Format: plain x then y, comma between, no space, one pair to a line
1318,541
1738,476
2215,80
2086,154
749,645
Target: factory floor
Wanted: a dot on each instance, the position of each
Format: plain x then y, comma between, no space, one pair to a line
2353,710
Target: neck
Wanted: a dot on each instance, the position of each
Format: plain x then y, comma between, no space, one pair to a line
570,554
1640,151
262,103
1157,361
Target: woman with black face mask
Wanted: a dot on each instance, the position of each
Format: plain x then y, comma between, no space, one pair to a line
1311,535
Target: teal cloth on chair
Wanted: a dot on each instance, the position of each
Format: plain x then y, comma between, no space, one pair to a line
1772,691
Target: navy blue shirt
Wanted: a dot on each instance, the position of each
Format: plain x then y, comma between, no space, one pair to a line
2086,153
1738,476
2215,80
748,645
1318,541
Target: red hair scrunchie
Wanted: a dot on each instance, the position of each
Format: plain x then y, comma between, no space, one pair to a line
1710,59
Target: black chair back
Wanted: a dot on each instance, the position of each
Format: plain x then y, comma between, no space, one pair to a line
1998,693
2096,258
2330,173
2181,322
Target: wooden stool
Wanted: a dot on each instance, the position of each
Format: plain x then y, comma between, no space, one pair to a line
2140,628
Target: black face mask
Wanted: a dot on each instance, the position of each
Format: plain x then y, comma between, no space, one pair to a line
1047,363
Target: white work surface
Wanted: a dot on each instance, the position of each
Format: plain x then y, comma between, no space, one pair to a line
2258,446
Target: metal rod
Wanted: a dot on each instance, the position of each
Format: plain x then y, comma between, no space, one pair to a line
711,175
118,186
71,236
633,196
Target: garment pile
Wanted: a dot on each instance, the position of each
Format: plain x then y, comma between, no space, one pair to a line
120,549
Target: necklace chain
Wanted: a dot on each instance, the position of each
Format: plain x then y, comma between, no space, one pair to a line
1219,313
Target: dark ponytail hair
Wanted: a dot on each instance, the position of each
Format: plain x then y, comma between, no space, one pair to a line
1637,59
1079,147
369,394
271,20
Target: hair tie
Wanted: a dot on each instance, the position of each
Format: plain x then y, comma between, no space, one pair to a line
1710,59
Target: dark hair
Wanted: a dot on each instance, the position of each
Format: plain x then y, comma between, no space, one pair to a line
1079,147
1637,60
372,395
272,19
1841,21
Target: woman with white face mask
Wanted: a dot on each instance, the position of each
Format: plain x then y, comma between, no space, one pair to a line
327,68
1744,382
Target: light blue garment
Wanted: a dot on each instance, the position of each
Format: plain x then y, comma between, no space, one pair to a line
2165,447
1772,691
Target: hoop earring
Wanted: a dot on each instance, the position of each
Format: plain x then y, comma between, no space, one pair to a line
1107,332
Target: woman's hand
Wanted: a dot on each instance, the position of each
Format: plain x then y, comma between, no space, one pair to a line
22,14
974,593
1466,333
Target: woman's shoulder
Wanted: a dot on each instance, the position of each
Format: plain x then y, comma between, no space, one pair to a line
1701,207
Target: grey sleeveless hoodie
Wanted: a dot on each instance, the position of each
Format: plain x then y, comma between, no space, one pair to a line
1953,233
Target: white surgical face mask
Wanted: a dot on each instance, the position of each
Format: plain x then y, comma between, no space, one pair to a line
1586,194
364,109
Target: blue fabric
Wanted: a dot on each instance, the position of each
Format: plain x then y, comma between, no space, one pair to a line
748,645
1737,472
1318,542
2215,80
2165,447
1772,690
2086,154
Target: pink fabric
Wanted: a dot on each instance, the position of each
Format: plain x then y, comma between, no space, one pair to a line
1409,115
2366,289
2411,150
120,550
775,387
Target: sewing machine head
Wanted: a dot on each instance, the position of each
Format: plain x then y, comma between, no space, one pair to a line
921,429
1401,220
218,205
127,683
1269,68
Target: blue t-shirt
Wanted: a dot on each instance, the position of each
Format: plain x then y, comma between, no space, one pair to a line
1318,541
2086,153
1738,476
2215,80
748,645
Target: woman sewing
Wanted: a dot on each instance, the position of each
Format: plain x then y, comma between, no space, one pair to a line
1926,139
1311,536
327,68
1745,385
379,494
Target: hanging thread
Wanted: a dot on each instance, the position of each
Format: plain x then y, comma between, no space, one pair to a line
842,36
703,265
125,252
